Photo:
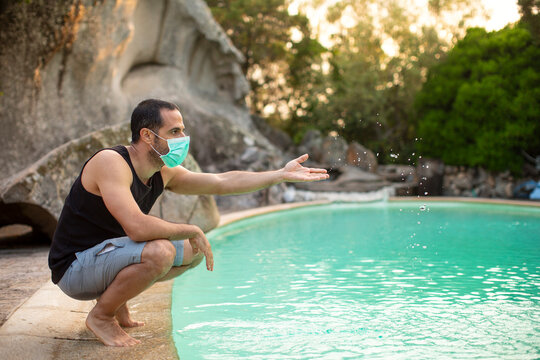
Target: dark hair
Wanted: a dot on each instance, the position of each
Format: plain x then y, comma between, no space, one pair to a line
148,115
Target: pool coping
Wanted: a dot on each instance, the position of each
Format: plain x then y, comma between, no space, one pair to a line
226,219
33,331
529,203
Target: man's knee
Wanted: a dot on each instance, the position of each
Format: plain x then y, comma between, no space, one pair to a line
159,255
196,260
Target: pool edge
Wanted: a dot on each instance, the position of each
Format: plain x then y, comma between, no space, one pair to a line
466,200
232,217
229,218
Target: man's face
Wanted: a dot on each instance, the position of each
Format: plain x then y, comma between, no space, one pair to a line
173,127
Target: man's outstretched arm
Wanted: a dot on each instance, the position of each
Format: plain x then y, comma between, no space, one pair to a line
182,181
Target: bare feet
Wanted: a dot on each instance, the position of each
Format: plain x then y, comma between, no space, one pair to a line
124,318
108,331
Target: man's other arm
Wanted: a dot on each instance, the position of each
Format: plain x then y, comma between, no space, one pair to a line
112,177
183,181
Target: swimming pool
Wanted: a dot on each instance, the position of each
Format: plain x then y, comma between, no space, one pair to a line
378,280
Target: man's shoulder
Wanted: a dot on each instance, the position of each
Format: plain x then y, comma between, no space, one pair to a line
107,161
107,154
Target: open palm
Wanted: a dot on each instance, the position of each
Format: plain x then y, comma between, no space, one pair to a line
295,172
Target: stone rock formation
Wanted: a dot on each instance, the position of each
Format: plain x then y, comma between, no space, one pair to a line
334,151
312,144
430,173
277,137
71,68
362,157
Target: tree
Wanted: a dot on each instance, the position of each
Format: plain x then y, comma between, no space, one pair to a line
276,65
368,93
481,105
530,16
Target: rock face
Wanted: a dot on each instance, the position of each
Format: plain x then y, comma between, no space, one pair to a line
83,65
70,68
312,144
36,195
477,182
350,179
430,173
277,137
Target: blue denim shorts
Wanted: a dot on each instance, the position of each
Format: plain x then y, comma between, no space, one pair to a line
94,269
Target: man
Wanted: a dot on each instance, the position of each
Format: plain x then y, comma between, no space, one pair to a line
107,247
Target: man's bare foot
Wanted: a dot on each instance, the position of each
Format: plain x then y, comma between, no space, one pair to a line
124,318
108,331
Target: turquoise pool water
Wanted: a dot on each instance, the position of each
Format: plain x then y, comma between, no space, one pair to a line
376,281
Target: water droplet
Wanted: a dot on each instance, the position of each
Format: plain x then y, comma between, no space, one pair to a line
422,207
425,193
419,223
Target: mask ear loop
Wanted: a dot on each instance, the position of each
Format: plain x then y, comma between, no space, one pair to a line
156,150
161,139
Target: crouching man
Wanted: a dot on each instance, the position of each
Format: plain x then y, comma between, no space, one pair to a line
107,247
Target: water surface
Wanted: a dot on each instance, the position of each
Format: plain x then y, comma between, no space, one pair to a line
380,280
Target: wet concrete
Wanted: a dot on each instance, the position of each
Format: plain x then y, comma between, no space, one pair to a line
23,270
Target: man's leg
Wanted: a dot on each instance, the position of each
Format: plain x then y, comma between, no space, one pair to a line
156,261
124,317
189,260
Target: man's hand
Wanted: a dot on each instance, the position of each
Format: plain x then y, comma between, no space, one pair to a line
295,172
200,243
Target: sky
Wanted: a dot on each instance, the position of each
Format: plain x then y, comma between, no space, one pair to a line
500,13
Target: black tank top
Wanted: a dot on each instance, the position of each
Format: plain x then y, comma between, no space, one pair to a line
85,221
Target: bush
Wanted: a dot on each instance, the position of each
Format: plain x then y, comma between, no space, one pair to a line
481,105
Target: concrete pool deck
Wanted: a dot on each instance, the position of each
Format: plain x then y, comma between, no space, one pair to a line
50,325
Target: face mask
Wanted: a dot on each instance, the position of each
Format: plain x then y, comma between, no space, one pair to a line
178,150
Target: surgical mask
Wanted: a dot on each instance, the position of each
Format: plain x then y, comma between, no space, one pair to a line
178,150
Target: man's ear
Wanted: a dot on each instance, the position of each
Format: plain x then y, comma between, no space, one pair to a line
146,135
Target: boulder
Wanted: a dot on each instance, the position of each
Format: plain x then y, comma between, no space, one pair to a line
397,173
362,157
70,68
463,181
312,144
277,137
35,196
334,151
430,174
350,179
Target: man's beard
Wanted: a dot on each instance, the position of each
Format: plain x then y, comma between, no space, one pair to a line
154,157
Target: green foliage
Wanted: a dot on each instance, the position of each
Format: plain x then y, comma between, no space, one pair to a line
368,94
481,105
530,16
276,66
